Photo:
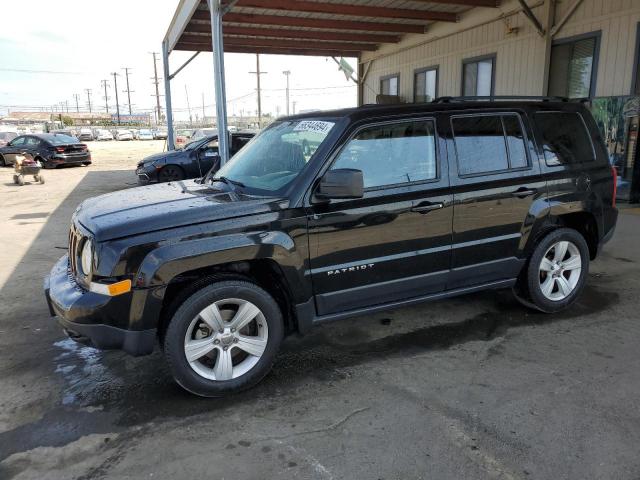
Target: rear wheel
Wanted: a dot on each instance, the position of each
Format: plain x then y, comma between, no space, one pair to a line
557,270
171,173
223,338
3,162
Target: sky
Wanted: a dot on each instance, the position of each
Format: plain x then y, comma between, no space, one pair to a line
70,46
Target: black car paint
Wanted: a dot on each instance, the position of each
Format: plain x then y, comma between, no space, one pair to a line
339,258
194,162
40,148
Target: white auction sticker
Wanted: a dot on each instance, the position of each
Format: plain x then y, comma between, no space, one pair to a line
316,126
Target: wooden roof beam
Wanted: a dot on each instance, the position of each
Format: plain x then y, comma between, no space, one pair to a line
300,22
346,9
318,52
296,33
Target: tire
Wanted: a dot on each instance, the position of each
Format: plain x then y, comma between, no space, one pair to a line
41,179
86,164
3,163
20,180
262,334
171,173
15,179
557,270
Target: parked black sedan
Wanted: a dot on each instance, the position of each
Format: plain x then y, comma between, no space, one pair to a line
193,161
51,149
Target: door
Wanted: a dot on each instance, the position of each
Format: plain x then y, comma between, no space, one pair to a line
208,156
394,243
495,176
13,148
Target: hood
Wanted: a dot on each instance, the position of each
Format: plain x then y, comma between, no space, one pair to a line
161,156
167,205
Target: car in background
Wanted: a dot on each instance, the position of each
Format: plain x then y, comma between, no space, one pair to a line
160,134
6,137
103,135
85,134
182,138
145,134
194,161
51,149
135,132
123,135
201,133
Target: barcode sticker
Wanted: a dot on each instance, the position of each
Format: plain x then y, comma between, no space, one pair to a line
316,126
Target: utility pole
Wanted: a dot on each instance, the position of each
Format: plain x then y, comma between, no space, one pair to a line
287,73
203,114
77,97
105,84
66,104
115,87
186,92
294,107
257,74
126,72
156,82
88,90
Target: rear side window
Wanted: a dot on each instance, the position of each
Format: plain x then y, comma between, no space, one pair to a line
489,143
565,139
392,154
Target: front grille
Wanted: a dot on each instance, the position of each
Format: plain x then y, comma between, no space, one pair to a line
75,238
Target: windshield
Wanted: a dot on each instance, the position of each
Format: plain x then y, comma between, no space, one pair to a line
60,139
273,159
145,132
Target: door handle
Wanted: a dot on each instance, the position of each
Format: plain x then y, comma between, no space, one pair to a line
427,207
524,192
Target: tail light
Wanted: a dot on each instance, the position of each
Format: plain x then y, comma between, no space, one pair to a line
614,172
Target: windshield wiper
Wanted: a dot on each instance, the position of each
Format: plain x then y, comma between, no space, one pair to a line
228,181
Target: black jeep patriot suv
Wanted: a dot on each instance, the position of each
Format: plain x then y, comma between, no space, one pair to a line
392,206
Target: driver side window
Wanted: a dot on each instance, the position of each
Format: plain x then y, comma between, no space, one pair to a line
392,154
17,142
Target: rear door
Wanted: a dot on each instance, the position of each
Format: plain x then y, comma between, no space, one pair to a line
495,175
394,243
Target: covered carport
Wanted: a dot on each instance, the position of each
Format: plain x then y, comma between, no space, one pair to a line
341,28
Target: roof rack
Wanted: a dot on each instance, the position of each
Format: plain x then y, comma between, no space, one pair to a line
494,98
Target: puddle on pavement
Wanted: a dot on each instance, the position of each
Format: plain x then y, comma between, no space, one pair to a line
137,390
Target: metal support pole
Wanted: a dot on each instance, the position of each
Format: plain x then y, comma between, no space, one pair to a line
167,97
215,9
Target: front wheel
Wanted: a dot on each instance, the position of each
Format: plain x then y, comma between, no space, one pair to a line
557,270
223,338
171,173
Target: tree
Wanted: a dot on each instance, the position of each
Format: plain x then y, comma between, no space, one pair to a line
67,121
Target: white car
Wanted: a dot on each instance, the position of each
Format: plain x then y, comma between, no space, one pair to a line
145,134
124,135
104,135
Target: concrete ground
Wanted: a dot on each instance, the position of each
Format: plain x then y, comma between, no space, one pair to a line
471,388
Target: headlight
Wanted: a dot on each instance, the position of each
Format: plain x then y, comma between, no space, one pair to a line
86,258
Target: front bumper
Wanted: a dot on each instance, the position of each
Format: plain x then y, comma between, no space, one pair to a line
91,318
147,175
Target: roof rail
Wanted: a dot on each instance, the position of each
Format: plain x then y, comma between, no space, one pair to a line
494,98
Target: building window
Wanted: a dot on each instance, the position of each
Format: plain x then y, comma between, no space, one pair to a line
478,76
635,86
574,64
389,84
425,84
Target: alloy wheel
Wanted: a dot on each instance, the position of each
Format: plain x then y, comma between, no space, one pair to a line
560,270
226,339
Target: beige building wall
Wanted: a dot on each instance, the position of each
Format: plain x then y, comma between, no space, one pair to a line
521,51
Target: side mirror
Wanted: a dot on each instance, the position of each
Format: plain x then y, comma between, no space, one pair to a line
341,183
